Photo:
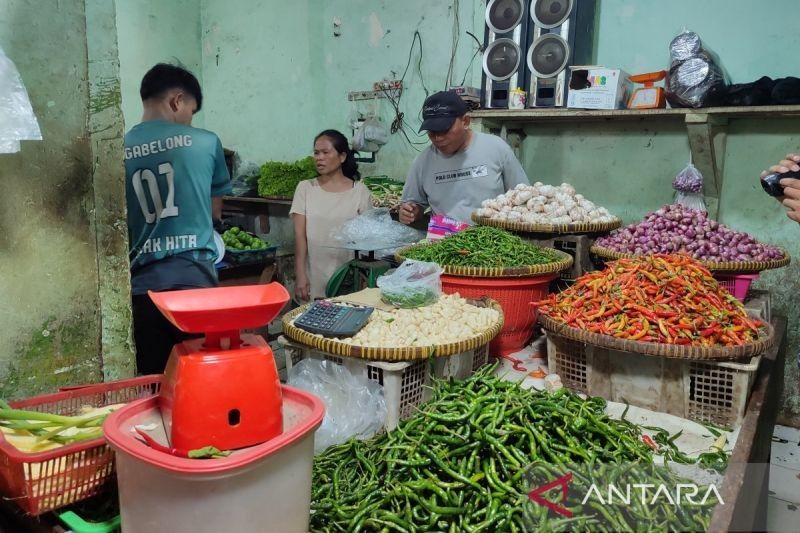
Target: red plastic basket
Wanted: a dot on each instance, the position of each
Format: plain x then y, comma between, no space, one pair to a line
737,284
514,295
41,482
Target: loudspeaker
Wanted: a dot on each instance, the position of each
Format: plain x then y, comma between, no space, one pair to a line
504,53
560,34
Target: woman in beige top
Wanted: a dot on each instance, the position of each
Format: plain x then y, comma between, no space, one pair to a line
320,205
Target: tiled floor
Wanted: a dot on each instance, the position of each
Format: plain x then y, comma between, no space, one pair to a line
783,513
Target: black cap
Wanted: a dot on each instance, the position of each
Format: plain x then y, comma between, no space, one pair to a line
441,109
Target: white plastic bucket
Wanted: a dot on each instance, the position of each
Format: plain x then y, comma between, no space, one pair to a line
262,488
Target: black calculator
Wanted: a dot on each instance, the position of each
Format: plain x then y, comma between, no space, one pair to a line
332,320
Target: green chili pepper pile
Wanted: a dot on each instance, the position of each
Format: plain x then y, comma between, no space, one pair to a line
469,458
482,246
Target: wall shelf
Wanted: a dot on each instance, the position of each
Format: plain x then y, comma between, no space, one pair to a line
705,127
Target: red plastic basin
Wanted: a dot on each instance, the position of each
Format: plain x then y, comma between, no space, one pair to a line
514,295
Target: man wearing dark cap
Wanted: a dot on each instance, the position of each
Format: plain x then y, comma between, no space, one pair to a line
461,168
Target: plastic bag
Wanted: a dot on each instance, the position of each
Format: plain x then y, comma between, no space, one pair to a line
375,230
17,121
694,73
688,185
354,405
412,284
369,136
244,181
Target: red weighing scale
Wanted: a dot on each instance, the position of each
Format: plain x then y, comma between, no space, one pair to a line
222,390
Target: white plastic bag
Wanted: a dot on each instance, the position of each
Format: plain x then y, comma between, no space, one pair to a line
375,230
369,136
17,121
688,185
354,405
412,284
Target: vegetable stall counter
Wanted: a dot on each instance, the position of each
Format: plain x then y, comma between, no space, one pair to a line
743,489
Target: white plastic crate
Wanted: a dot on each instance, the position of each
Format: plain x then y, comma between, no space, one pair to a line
704,391
406,385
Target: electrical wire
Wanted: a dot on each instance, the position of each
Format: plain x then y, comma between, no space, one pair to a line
454,45
477,51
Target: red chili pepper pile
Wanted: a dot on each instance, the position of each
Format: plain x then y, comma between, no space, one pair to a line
669,299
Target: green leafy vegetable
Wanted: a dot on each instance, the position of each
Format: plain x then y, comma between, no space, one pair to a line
281,179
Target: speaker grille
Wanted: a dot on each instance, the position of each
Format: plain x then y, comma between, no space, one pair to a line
501,59
502,16
550,13
548,55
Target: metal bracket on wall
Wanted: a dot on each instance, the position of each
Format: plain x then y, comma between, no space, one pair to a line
707,138
374,95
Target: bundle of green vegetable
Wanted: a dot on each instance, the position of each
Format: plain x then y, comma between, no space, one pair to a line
482,246
386,192
279,179
469,459
34,431
410,297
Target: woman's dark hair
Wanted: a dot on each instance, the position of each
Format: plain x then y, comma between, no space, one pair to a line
340,144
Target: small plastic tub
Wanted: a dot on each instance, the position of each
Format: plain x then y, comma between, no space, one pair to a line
260,488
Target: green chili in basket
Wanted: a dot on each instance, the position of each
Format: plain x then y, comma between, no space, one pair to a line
482,246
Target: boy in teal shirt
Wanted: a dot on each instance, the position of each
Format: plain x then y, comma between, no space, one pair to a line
175,177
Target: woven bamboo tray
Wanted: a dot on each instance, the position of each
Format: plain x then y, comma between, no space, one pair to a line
671,351
728,266
406,353
563,262
521,227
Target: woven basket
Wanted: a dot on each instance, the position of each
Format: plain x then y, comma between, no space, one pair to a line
564,262
727,266
522,227
671,351
406,353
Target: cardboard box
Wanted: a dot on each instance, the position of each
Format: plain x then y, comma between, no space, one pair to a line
593,87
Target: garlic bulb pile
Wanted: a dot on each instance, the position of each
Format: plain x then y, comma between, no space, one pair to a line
544,204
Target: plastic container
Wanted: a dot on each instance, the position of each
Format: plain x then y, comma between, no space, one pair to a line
243,257
262,488
704,391
40,482
406,385
737,284
514,295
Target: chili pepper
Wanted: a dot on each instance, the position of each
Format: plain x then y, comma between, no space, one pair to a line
675,296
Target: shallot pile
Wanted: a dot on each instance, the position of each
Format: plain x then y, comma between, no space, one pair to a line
544,204
675,228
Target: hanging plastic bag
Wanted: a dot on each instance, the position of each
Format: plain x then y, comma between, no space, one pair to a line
412,284
688,185
369,136
17,121
354,405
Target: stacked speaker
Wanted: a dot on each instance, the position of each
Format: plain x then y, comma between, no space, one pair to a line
530,44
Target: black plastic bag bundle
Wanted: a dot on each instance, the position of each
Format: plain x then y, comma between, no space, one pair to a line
693,73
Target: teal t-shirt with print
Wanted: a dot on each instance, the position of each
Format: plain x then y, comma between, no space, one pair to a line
171,173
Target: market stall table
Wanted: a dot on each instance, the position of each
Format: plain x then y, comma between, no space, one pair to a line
744,489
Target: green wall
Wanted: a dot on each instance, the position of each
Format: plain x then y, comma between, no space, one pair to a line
153,31
52,254
275,74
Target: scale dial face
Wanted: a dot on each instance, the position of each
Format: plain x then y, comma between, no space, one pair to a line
644,98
